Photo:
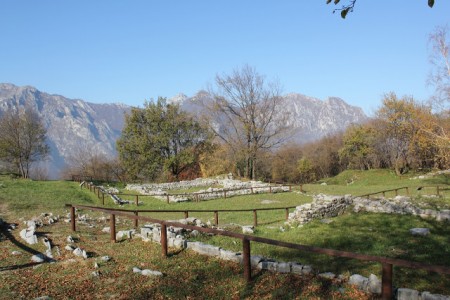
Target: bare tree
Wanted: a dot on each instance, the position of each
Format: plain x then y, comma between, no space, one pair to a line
439,76
22,139
248,111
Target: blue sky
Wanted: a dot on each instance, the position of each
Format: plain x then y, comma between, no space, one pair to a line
131,51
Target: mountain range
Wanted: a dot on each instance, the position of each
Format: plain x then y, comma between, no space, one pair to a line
75,126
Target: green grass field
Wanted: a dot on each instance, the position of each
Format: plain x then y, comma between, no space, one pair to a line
187,274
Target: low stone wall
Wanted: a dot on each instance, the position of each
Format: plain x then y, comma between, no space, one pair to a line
230,186
324,206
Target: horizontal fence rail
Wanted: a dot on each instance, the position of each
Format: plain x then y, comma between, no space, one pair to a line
396,190
386,263
186,212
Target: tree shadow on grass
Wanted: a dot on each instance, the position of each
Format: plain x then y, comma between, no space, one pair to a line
6,234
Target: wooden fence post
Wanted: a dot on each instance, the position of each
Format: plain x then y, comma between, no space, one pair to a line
72,218
437,190
167,199
287,214
407,191
270,189
386,281
301,188
255,218
113,227
164,239
225,194
396,192
246,260
216,217
186,214
251,189
103,198
136,221
137,200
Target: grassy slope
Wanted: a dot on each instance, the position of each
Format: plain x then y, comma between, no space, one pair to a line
385,235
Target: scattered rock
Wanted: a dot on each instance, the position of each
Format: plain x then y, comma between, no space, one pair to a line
327,275
95,273
359,281
326,221
69,248
407,294
420,231
29,235
38,258
16,253
374,285
147,272
248,230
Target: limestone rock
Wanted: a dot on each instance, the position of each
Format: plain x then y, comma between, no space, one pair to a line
38,258
374,285
147,272
248,230
407,294
327,275
420,231
359,281
429,296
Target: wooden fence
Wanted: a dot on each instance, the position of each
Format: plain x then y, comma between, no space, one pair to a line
186,212
386,263
396,190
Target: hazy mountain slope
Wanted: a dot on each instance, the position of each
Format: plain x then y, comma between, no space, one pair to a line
312,118
72,125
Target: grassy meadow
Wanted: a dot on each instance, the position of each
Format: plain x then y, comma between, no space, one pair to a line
190,276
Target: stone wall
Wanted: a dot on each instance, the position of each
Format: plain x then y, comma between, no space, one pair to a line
230,186
324,206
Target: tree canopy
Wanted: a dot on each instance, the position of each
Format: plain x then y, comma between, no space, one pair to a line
160,140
